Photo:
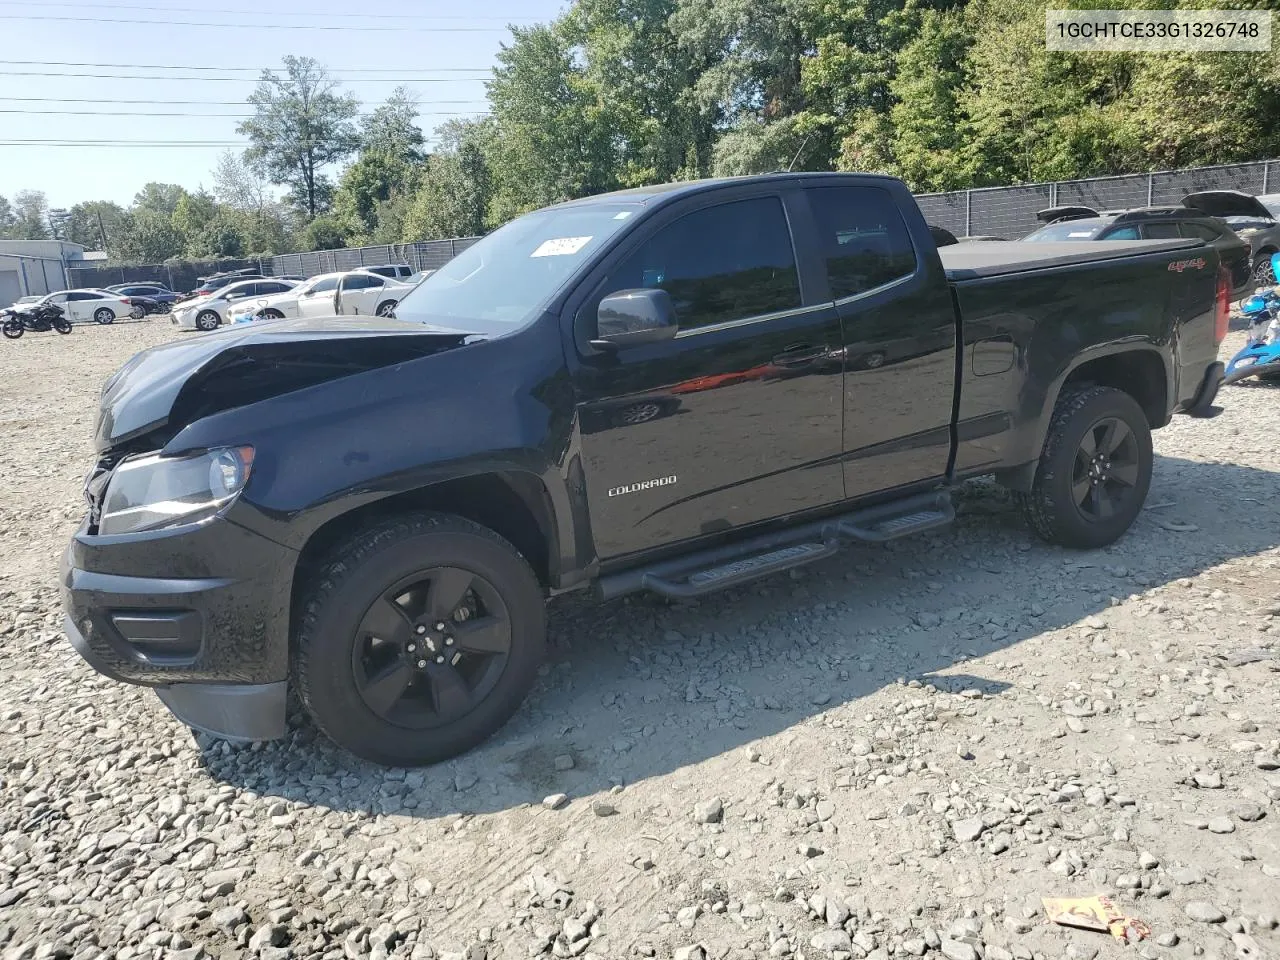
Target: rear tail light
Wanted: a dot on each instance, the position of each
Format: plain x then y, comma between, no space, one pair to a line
1222,307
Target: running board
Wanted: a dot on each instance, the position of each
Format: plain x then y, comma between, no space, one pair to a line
730,565
878,526
740,571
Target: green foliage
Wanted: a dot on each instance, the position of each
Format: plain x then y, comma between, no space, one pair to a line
453,195
301,125
323,233
30,217
147,236
93,223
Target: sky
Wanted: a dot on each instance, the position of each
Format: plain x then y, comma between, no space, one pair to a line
208,54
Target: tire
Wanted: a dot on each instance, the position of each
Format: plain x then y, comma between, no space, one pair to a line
208,320
104,316
1262,274
137,313
354,663
13,329
62,325
386,307
272,314
1065,505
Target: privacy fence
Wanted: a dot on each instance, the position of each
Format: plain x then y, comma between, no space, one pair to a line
1008,212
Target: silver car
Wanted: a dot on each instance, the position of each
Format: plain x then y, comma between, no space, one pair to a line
1251,219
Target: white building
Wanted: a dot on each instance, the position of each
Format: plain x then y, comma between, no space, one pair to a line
35,266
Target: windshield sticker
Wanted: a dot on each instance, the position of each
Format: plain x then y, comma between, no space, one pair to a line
623,215
1080,233
560,247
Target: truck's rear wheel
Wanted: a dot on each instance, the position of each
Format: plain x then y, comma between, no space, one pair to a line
1095,471
420,638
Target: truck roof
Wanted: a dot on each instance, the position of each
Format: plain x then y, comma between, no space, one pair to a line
969,261
669,191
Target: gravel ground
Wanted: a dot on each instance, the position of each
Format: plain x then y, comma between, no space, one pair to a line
896,752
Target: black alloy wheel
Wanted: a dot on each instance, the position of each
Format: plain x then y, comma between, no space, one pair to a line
1106,469
431,648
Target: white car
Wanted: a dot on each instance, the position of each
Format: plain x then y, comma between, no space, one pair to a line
100,306
348,293
210,312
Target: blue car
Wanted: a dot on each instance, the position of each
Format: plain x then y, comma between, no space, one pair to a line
151,291
1261,355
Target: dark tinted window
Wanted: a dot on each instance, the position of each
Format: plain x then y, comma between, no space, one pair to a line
1161,231
273,287
728,262
83,296
1122,233
361,281
325,285
1199,231
863,238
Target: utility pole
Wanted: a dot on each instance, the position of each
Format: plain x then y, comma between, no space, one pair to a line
102,232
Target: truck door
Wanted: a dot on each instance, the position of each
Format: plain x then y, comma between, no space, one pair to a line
898,334
736,419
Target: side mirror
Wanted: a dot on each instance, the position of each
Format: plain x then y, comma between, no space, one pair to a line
630,318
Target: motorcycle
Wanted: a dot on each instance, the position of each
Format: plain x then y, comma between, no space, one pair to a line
1261,354
42,319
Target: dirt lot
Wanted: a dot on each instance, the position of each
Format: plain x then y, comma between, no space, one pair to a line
896,753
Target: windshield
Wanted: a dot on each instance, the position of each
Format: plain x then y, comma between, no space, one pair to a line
501,282
1087,228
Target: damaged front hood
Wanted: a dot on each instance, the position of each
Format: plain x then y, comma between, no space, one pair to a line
180,382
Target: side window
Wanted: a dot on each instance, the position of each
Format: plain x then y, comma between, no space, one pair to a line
272,287
1198,231
357,281
1161,231
863,237
325,286
722,263
1124,233
81,296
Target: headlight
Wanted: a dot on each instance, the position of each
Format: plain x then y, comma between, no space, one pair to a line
154,491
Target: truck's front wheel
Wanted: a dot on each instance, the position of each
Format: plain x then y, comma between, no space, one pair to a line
420,637
1095,470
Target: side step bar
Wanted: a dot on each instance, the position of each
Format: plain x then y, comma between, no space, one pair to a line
729,566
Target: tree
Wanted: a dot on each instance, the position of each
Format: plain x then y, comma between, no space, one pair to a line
146,236
93,223
30,216
191,218
238,185
162,198
6,218
324,233
392,128
301,124
452,199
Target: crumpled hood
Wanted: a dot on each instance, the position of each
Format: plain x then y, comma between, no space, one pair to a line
179,382
1227,203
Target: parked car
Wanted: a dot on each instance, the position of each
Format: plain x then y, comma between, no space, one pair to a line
208,285
375,510
365,292
100,306
1077,223
155,292
1251,219
417,278
290,276
316,295
392,271
210,311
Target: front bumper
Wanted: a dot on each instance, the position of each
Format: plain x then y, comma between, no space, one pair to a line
145,608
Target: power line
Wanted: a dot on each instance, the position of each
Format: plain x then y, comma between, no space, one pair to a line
255,25
181,103
222,69
191,116
274,13
143,76
142,143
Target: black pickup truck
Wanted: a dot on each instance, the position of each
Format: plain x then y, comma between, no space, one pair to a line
673,389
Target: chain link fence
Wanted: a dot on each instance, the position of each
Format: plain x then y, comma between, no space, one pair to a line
424,255
1010,212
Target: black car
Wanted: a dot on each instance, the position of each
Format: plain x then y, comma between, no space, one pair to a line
675,389
1251,219
1076,223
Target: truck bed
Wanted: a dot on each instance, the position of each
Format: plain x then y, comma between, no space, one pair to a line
994,258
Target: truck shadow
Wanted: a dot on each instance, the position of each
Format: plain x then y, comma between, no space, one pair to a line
640,687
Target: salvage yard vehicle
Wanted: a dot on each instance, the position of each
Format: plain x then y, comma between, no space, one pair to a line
33,317
375,510
210,312
364,292
100,306
1076,223
314,295
1251,220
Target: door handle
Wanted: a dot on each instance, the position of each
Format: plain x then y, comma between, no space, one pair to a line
798,354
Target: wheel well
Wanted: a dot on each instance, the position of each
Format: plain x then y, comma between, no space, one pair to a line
1139,373
513,505
1265,252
